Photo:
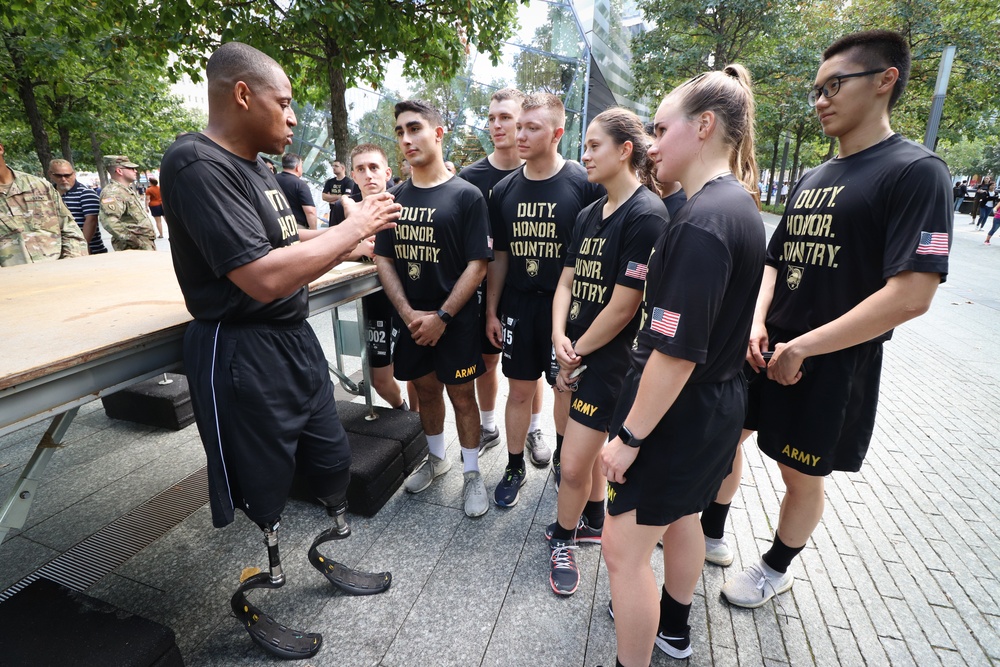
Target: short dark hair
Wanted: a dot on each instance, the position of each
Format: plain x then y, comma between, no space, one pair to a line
422,109
368,148
153,181
873,49
235,61
290,161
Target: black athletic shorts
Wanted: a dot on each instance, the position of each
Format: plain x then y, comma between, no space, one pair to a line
488,346
682,463
378,326
825,421
598,387
156,211
526,332
264,405
456,359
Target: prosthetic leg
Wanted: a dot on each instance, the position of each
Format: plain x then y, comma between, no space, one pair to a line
350,581
266,632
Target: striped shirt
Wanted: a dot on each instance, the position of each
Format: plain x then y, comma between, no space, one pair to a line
81,202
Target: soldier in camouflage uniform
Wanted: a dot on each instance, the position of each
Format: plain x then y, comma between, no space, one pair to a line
35,225
122,211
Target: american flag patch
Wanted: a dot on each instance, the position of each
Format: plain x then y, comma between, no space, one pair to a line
933,243
635,270
664,322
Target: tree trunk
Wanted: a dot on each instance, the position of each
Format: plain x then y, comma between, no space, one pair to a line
774,164
95,149
832,150
338,114
64,143
799,131
26,93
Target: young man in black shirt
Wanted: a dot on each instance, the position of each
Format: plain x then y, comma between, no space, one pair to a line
430,267
339,185
861,248
260,389
505,107
532,212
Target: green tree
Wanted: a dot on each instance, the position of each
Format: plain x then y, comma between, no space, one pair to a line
328,46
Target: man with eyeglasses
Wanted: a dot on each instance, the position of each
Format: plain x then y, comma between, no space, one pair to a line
35,225
122,211
82,202
861,248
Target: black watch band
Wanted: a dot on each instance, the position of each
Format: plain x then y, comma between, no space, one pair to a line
627,438
445,317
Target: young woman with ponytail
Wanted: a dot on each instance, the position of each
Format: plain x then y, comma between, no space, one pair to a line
594,320
684,398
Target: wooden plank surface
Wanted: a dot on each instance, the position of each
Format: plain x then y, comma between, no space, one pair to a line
56,315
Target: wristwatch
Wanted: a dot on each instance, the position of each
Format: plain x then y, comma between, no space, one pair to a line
445,317
627,438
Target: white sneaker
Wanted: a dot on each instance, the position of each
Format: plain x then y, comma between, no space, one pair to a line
718,552
429,469
755,585
477,502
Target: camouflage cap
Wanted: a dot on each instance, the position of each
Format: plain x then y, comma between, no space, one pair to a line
112,161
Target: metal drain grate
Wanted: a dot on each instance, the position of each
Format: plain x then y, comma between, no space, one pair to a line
86,563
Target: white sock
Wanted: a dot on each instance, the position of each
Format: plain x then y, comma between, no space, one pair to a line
435,443
470,459
536,422
488,418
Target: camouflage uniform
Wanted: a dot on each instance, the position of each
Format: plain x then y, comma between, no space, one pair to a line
125,218
35,225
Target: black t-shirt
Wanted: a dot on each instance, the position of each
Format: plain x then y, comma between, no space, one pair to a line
298,195
484,175
674,202
702,284
612,251
439,231
337,209
343,186
534,220
224,212
958,191
852,223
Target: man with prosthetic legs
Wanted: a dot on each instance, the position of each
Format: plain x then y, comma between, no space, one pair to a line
261,393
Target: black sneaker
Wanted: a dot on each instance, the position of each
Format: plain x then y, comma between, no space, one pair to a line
508,488
584,533
675,647
563,575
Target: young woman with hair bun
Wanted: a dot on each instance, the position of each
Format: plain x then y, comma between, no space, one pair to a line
684,397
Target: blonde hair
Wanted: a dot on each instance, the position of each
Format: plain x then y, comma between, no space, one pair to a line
729,95
550,103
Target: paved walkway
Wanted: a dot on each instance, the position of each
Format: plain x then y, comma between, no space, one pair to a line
902,570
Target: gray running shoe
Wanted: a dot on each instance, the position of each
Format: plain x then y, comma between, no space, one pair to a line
429,469
754,586
487,440
718,552
538,451
477,502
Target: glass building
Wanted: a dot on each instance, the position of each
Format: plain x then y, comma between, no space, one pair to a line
578,50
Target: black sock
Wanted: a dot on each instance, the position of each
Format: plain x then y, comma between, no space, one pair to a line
779,556
560,533
673,616
594,511
713,520
558,452
618,663
515,461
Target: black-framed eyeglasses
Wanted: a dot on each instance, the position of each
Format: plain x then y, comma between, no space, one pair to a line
832,85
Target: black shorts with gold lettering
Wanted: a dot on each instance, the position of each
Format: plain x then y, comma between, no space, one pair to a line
456,359
379,329
526,331
682,463
824,422
598,387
